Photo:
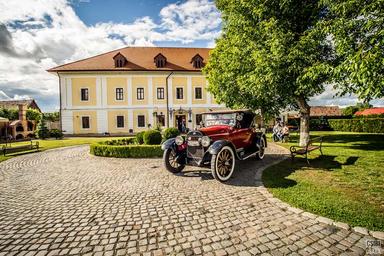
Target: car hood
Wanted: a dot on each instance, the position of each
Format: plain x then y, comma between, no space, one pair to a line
216,129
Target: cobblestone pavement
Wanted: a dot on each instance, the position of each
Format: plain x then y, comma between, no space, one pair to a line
67,202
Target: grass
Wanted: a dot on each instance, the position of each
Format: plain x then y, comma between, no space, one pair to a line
52,143
346,184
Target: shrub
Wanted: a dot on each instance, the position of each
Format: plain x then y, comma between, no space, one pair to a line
319,124
372,125
139,137
119,142
170,133
56,133
127,151
33,114
42,131
152,137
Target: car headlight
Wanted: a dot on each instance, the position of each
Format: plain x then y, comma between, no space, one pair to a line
205,141
179,140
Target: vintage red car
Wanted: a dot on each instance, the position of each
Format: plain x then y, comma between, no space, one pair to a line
225,136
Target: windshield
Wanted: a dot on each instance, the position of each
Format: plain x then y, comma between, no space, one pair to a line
220,119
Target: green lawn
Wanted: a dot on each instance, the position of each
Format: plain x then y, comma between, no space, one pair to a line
52,143
346,184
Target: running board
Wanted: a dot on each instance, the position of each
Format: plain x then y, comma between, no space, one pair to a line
250,155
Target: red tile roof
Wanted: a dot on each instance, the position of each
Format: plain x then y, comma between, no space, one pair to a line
370,111
325,111
139,59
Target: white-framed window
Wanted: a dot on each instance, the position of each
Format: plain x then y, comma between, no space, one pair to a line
120,121
85,122
179,93
84,94
198,93
160,93
141,121
140,93
119,94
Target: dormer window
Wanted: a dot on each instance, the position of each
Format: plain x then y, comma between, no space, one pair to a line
197,61
120,60
160,60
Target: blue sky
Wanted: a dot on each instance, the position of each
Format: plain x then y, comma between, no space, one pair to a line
118,11
36,35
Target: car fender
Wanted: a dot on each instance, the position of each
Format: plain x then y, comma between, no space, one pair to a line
169,143
218,145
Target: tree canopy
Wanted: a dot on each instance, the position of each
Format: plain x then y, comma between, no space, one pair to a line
275,53
357,31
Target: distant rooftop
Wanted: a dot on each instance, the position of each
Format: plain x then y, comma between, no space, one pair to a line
14,104
325,111
370,111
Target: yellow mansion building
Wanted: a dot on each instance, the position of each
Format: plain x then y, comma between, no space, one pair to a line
131,89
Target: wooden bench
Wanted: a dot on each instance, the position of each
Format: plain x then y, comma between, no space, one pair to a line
9,149
313,144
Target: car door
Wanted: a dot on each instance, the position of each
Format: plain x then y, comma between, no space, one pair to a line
242,135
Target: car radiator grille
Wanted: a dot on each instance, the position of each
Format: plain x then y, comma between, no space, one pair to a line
195,151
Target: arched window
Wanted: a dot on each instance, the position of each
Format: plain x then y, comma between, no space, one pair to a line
160,60
197,61
120,60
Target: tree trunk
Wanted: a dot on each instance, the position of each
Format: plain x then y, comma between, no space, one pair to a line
262,123
304,120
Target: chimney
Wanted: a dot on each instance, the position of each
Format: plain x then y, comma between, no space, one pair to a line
22,112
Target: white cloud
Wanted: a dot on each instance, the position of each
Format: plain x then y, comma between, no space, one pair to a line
40,34
191,20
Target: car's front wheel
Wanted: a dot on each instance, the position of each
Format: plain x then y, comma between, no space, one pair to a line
170,161
223,164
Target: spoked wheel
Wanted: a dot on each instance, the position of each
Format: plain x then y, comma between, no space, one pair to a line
170,163
223,164
260,154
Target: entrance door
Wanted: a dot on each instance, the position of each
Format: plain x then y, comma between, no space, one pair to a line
181,123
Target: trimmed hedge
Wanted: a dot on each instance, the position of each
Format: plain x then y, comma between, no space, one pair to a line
152,137
170,133
119,142
370,125
127,151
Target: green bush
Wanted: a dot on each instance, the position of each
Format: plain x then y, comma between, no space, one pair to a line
371,125
370,116
139,137
11,114
120,142
318,124
42,131
170,133
33,114
152,137
127,151
56,133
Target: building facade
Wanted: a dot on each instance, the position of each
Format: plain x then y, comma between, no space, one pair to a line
134,88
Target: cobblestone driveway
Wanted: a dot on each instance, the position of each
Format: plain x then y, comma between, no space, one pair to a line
66,201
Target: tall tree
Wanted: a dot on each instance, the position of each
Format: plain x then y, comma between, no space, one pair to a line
357,30
270,54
